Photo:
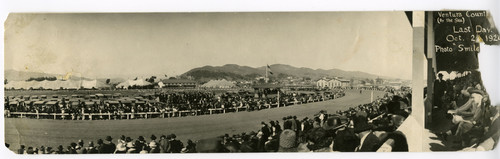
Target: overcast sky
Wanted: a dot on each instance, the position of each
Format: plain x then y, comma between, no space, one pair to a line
131,45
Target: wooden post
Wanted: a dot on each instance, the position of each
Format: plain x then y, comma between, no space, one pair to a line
418,109
109,115
55,116
431,61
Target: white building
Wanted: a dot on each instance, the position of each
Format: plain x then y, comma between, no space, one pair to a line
326,83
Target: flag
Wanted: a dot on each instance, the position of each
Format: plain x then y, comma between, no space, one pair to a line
269,69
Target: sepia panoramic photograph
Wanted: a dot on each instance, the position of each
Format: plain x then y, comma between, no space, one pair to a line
206,82
247,82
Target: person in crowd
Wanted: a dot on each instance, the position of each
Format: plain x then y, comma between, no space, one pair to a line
30,151
190,147
140,143
345,131
131,146
175,145
79,148
368,141
121,145
21,150
466,116
91,149
108,147
71,148
439,91
153,144
287,141
272,144
164,143
153,147
60,150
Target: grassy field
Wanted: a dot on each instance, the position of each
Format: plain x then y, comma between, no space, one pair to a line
47,132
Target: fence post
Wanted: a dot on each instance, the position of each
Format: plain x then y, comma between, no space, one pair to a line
128,116
146,115
109,115
55,116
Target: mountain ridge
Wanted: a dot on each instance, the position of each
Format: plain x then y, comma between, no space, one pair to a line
237,72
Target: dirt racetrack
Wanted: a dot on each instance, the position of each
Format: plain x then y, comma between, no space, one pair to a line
47,132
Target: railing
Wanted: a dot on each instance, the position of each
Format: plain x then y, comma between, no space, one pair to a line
146,115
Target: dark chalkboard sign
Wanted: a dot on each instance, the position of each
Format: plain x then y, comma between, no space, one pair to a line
457,36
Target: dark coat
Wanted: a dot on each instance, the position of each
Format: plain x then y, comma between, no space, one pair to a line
92,150
246,147
164,144
20,151
287,124
107,148
176,146
345,141
370,144
265,132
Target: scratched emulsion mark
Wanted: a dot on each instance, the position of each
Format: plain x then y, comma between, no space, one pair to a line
354,47
19,22
16,26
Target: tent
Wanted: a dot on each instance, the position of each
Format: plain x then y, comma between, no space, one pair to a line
57,84
138,82
218,84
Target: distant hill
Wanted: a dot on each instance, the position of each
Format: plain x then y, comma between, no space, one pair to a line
236,72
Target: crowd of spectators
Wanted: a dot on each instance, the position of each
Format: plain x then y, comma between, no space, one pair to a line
365,128
466,104
192,102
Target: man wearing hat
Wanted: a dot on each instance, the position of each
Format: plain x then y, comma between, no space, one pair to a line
368,141
317,141
100,146
140,143
108,147
439,90
121,146
60,150
91,149
130,146
79,148
175,145
21,150
287,123
164,143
